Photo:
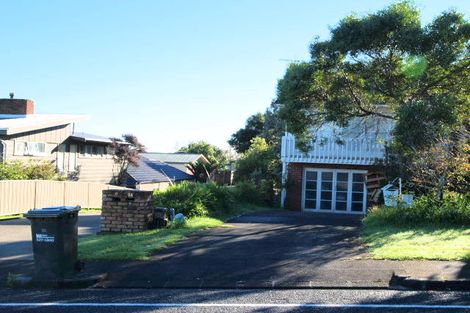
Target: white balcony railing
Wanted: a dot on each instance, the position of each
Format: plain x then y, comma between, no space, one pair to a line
352,151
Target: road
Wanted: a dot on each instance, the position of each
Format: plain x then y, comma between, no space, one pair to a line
15,236
16,251
235,300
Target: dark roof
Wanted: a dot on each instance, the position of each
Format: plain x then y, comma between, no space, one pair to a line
150,171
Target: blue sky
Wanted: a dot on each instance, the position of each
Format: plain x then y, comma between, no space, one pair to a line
170,72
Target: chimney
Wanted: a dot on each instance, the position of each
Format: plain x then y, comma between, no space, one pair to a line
16,106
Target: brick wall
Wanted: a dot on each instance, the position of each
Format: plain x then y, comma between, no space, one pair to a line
295,178
126,211
16,106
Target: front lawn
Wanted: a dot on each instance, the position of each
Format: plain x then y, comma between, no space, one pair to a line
417,243
139,246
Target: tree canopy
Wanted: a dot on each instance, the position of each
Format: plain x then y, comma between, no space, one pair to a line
241,140
216,156
126,151
384,58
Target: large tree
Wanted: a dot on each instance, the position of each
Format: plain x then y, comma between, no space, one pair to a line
388,58
241,140
387,64
216,156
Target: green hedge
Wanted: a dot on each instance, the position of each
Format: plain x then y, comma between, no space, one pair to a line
200,199
453,210
195,199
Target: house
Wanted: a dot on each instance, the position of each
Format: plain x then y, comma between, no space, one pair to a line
178,160
27,136
333,175
154,175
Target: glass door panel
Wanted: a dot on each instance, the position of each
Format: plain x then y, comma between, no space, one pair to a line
311,178
357,201
341,203
326,190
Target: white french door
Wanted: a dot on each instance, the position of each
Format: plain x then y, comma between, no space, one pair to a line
329,190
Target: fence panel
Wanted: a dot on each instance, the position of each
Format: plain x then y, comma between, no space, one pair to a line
77,194
16,196
19,196
48,193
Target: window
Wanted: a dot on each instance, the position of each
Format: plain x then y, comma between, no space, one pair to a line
30,148
91,150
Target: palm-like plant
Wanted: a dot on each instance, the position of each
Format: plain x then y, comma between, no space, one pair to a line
201,171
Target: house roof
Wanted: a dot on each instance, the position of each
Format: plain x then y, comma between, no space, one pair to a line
151,171
11,124
183,158
85,137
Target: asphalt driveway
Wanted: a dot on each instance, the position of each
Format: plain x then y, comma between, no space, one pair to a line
274,249
277,249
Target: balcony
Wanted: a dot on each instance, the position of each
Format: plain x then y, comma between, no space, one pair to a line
352,151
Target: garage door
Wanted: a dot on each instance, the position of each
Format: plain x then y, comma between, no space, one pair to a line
330,190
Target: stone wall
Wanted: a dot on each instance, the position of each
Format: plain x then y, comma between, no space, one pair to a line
126,211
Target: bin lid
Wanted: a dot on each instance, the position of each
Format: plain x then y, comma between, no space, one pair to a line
53,211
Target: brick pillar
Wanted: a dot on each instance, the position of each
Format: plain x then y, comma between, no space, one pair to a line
126,211
294,187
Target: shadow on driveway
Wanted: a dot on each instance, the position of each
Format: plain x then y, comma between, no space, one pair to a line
274,249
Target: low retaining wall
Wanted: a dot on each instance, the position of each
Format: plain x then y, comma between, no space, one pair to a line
126,211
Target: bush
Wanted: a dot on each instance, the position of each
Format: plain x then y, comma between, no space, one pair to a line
223,198
454,210
12,170
41,170
195,199
17,170
260,166
247,192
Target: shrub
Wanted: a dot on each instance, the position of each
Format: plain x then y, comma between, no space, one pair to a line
18,170
247,192
260,166
187,198
12,170
195,199
454,209
223,197
41,170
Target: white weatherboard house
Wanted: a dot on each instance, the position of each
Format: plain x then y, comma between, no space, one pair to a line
332,175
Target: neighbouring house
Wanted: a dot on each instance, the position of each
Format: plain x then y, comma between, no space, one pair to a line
339,171
178,160
154,175
25,136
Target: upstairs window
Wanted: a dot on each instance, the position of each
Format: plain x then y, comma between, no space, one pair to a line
30,148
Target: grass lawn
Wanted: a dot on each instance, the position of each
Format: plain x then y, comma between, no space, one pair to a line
417,243
85,211
139,246
9,217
